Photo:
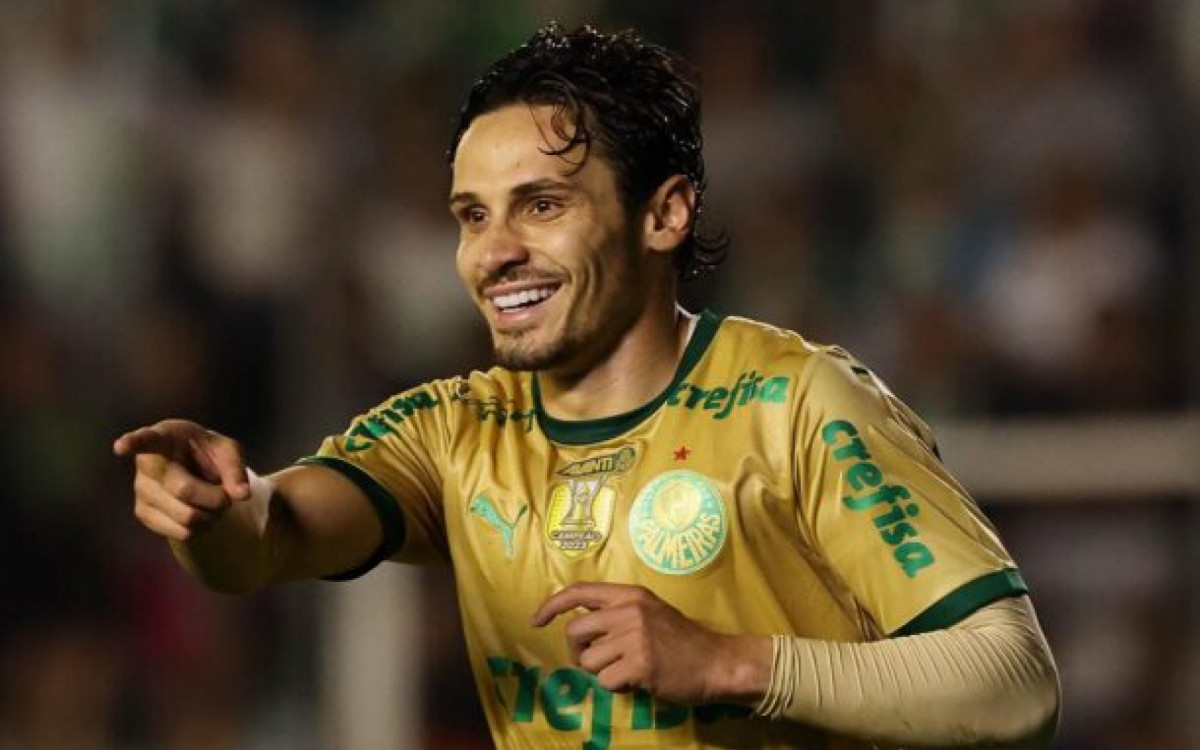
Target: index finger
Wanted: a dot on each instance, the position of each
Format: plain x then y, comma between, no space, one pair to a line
143,440
589,595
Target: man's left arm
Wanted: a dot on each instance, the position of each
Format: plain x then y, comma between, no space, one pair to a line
988,681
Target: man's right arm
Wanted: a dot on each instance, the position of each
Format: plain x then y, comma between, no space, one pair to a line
234,533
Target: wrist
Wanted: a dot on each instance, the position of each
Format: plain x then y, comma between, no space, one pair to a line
740,671
233,555
261,488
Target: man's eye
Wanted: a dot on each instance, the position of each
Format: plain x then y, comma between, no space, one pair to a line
474,216
543,205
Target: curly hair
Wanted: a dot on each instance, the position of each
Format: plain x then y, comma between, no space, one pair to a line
638,102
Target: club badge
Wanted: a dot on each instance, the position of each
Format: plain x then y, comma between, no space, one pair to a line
677,523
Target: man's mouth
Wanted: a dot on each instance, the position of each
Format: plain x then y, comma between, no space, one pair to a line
524,299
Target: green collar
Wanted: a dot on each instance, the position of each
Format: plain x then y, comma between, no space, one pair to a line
583,432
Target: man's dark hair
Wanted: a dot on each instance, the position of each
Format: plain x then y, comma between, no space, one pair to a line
637,101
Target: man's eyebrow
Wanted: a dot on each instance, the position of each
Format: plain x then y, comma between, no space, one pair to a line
524,190
460,198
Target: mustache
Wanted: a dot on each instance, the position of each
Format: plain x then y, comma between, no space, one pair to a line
518,276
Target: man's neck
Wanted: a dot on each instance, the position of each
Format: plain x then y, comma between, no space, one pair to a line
639,368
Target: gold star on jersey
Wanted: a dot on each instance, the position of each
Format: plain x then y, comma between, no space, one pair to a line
775,486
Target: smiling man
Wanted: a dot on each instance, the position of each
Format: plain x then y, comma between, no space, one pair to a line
667,529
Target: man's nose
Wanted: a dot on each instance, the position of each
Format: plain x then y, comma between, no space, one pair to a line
502,247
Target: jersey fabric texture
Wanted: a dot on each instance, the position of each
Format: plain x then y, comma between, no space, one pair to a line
775,487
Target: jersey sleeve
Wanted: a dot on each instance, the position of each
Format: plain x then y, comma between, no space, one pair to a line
392,454
905,538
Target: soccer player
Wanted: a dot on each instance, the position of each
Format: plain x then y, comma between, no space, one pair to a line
667,529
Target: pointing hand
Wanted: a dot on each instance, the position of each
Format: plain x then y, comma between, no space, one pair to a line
186,476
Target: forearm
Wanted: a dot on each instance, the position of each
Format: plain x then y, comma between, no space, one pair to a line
310,523
987,682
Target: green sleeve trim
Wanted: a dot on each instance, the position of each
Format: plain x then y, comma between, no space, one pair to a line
586,432
964,600
391,518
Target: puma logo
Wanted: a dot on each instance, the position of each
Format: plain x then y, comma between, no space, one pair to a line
483,507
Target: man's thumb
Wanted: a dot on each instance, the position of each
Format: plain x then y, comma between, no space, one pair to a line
222,459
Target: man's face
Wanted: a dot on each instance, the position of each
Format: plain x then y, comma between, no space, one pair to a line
546,248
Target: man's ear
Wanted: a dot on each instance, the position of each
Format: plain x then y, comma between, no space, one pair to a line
669,214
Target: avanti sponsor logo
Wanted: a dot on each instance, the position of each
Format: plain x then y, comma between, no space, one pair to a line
563,697
863,475
749,387
617,462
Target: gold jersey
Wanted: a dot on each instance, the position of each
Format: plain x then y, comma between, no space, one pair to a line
775,486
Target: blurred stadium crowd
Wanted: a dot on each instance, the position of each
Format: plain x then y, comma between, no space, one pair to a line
234,212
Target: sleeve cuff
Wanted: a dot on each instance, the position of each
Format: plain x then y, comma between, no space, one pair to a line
391,518
964,600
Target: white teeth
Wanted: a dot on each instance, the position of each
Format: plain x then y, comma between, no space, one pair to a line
516,299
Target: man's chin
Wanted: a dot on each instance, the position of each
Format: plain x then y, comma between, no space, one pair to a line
512,353
524,361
